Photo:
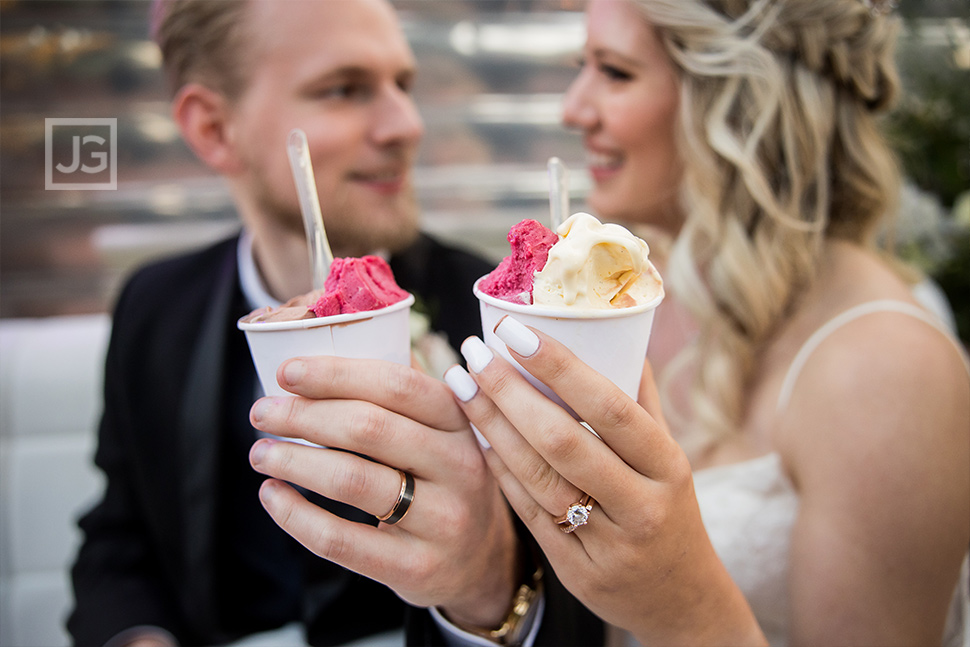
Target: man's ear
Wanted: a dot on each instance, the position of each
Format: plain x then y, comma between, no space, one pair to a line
202,115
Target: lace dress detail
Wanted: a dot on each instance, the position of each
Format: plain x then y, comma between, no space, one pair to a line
749,510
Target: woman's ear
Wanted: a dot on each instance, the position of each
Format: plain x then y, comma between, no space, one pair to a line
202,115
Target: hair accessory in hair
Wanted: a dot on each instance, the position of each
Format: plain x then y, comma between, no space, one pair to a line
880,7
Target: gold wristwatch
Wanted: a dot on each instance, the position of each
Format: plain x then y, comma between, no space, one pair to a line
514,628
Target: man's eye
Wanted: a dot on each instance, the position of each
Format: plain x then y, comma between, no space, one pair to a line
352,91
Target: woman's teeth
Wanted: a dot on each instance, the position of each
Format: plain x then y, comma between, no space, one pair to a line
602,160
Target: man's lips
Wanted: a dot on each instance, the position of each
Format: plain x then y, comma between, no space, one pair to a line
386,182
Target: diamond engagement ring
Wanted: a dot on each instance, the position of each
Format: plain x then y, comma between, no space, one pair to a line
577,515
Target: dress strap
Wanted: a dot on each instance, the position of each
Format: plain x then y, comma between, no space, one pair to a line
853,313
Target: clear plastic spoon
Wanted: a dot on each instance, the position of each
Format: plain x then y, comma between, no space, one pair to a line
306,187
558,192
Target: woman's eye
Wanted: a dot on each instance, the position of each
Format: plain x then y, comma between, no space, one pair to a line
614,73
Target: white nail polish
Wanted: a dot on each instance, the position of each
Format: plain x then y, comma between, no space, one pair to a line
476,353
461,383
482,441
517,337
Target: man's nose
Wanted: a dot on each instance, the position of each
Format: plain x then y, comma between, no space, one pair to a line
396,118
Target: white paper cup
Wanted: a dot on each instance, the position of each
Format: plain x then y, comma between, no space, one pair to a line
375,334
612,342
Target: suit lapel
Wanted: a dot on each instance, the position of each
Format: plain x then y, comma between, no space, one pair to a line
199,423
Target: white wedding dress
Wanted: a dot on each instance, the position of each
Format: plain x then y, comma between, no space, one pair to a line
749,510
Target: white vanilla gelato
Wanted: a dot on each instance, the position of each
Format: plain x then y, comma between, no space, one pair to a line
597,266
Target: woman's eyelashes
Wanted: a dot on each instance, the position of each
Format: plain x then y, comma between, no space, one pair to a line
614,73
608,70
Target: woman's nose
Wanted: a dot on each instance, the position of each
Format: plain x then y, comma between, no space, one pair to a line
578,110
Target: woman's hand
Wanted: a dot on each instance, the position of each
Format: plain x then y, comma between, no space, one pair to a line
643,561
458,529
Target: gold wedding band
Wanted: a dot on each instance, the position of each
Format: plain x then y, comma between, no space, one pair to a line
404,499
576,515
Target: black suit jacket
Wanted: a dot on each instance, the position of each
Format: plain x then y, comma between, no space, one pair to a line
175,431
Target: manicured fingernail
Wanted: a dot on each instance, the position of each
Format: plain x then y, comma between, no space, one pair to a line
258,452
517,337
461,383
293,371
476,353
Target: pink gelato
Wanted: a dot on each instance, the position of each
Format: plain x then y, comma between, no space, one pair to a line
585,265
512,279
353,285
358,285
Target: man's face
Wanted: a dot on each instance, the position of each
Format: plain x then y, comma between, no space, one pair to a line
341,71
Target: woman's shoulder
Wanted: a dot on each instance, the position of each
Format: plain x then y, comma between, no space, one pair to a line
876,440
875,369
861,315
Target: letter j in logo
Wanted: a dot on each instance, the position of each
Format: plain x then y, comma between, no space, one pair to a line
90,154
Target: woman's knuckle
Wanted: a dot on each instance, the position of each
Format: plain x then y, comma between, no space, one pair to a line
618,410
680,469
533,514
540,475
557,368
563,443
652,518
488,416
501,383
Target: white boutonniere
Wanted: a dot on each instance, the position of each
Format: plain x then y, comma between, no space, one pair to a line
430,348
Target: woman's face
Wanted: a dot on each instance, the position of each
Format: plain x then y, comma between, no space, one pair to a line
625,101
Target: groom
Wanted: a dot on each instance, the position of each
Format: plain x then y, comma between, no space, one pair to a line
179,549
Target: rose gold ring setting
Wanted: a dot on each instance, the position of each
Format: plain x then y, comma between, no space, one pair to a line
576,515
404,499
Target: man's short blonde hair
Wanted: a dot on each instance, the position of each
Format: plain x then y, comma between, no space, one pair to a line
203,41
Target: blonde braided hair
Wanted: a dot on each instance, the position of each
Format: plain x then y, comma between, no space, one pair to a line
781,149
